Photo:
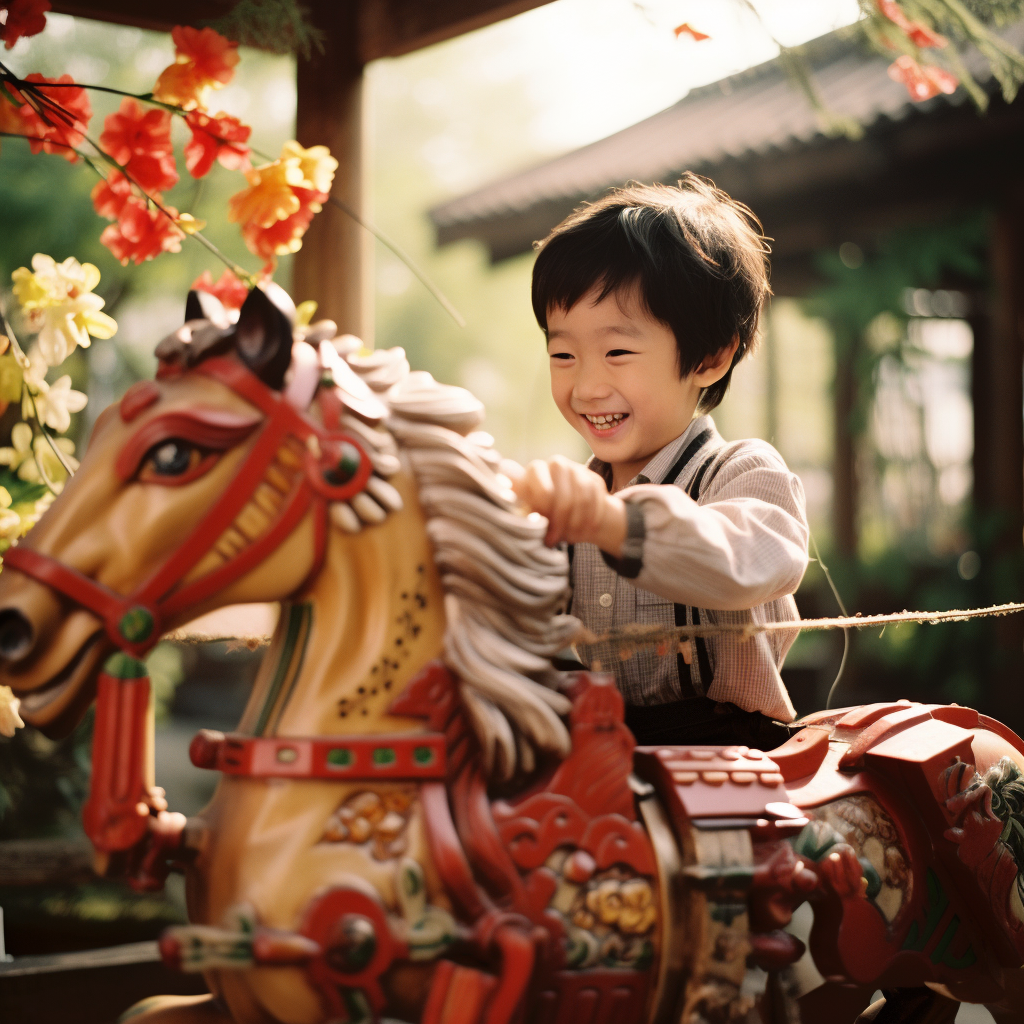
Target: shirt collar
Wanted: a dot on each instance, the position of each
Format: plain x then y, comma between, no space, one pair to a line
659,463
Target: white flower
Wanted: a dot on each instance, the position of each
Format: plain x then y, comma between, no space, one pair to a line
60,304
27,453
9,717
15,456
58,402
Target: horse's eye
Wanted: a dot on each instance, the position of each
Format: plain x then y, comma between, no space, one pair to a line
171,460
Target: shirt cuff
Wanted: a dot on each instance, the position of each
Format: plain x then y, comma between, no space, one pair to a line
631,561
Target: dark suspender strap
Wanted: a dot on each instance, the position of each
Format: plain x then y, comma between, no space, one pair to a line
683,461
693,490
703,659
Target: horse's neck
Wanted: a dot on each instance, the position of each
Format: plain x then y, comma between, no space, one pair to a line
371,620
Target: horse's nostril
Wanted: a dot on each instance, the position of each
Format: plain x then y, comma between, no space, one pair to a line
16,635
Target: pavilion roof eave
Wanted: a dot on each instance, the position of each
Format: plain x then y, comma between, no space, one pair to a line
388,28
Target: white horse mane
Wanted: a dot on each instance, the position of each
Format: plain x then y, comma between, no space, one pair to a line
505,591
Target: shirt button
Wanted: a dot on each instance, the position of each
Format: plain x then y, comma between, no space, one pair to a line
605,600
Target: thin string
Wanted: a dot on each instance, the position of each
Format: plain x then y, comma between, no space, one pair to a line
634,637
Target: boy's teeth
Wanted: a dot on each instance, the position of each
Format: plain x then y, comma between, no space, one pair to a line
605,420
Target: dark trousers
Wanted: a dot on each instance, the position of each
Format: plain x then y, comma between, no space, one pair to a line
701,721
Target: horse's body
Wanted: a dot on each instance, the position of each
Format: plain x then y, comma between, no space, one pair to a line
356,859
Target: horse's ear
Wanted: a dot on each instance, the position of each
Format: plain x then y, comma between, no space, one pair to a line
263,334
205,306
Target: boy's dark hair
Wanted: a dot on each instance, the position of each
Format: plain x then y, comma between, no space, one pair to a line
692,255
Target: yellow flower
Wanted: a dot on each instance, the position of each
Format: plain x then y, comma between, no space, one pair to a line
304,312
316,163
21,442
59,302
26,455
10,379
270,197
189,224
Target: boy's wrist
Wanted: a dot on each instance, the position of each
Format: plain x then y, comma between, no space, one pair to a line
613,529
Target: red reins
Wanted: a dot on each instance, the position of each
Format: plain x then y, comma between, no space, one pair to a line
134,622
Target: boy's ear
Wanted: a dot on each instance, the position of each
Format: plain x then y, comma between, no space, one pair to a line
715,366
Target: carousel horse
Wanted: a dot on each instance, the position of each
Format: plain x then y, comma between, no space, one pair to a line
417,817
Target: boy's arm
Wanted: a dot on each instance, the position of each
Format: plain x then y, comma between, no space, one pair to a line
744,546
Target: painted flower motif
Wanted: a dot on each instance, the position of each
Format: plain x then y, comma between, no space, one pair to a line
66,129
142,233
140,141
231,291
59,302
24,18
204,59
922,81
10,720
221,138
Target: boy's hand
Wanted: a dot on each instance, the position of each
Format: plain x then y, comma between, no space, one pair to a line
576,503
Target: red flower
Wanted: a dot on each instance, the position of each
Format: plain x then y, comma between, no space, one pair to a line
687,29
922,81
142,233
229,289
111,195
68,113
219,138
140,140
281,238
918,33
214,56
24,18
11,119
203,59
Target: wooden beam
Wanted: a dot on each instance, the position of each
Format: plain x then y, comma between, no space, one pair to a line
335,265
157,17
45,862
386,28
390,28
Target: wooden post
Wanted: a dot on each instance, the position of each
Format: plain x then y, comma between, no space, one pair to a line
998,392
335,264
844,473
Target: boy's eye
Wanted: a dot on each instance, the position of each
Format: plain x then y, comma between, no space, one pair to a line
560,355
621,352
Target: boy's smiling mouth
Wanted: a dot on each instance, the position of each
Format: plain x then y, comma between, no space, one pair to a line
604,422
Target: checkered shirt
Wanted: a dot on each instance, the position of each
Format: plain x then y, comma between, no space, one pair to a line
737,554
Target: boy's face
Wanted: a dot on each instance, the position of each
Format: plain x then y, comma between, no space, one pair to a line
615,378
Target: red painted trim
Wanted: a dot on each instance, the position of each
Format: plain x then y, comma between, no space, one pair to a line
214,429
116,814
296,507
302,757
140,396
449,857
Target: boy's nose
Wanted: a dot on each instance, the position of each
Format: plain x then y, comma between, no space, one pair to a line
591,387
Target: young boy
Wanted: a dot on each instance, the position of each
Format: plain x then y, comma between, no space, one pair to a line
648,299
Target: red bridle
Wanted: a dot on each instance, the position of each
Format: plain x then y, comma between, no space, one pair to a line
134,622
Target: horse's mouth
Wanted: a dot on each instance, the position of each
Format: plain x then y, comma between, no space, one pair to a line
71,677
